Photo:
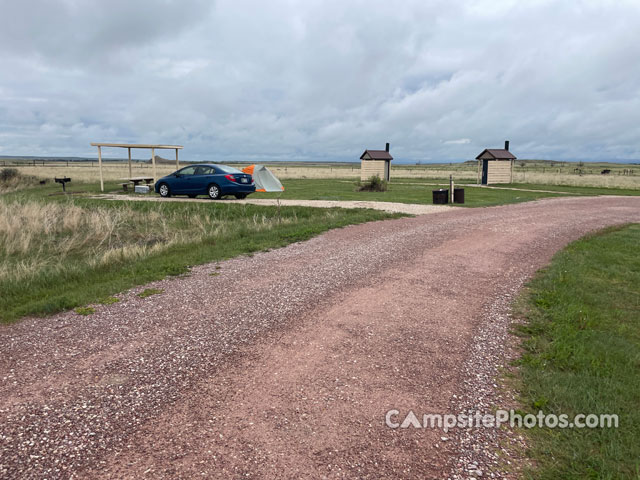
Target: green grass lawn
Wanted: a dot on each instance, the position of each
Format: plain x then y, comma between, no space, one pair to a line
59,252
399,191
576,189
582,355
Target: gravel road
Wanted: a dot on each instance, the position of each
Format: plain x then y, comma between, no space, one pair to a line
393,207
283,365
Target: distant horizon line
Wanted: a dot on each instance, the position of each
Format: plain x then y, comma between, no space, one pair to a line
397,162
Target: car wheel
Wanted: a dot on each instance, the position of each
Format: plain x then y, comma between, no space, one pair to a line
164,190
214,192
192,196
240,196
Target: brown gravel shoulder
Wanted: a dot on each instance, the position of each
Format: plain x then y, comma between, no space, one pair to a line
289,377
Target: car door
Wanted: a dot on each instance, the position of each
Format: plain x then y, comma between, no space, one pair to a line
184,180
202,179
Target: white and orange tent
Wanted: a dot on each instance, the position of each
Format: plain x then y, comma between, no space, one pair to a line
265,180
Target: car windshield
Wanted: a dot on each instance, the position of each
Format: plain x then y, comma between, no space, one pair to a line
227,169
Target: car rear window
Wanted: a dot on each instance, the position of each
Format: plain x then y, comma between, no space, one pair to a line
205,171
227,169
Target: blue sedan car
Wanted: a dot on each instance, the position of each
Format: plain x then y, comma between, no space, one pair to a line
206,179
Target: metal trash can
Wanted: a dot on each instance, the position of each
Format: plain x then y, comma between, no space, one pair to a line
441,196
141,189
458,195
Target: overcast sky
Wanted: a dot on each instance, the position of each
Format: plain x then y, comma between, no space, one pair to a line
314,80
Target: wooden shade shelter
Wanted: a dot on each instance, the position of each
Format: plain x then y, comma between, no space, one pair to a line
129,146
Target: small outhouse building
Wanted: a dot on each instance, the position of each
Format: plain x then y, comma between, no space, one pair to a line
376,163
495,165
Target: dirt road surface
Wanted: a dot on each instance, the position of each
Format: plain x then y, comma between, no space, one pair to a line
284,364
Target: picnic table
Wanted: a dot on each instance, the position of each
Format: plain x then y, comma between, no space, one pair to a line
135,181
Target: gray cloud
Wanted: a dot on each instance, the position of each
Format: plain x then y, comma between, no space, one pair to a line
322,79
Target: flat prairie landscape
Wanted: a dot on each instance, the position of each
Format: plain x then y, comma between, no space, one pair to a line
527,171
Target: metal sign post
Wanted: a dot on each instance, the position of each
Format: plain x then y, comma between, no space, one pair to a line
450,188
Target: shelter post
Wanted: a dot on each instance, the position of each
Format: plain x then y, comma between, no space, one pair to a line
153,161
130,175
177,162
100,168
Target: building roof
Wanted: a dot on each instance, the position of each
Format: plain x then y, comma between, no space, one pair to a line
498,154
134,145
377,155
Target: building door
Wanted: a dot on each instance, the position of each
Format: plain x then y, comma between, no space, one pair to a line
387,170
485,171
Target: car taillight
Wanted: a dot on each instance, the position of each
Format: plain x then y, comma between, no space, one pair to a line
231,177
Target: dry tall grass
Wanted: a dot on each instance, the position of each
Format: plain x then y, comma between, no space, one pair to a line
37,237
284,172
11,179
605,181
88,172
